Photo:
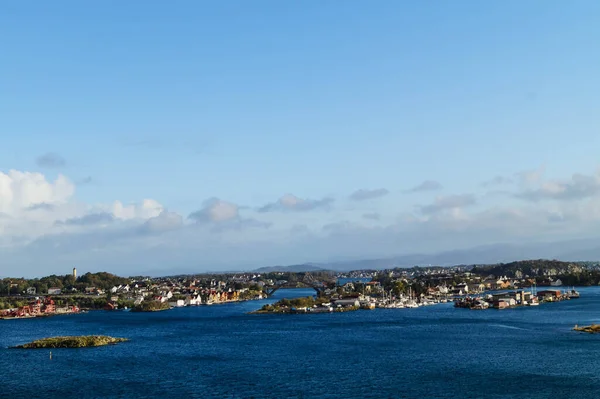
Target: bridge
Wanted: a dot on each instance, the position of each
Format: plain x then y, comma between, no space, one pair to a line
308,281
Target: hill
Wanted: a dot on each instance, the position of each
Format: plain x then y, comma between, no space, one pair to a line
531,268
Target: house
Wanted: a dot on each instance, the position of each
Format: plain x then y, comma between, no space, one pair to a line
556,283
504,300
490,284
177,304
502,303
233,296
549,295
462,287
348,287
193,300
373,286
31,290
54,291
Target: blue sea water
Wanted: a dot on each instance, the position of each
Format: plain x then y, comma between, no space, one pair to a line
220,351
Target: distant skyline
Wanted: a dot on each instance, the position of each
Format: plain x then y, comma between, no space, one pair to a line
140,136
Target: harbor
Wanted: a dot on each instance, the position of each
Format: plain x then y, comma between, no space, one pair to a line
513,299
434,337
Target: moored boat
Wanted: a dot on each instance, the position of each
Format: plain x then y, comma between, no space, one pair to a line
573,294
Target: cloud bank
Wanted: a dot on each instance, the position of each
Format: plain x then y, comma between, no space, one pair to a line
427,185
44,228
364,194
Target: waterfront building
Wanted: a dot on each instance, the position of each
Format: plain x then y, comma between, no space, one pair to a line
347,302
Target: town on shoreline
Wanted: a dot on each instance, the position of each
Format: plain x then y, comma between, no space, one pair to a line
468,286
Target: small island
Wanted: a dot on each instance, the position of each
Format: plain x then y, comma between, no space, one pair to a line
593,329
71,342
312,305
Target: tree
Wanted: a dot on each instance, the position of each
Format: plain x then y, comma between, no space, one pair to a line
398,287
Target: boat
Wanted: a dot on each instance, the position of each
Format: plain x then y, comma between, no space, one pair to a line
480,305
573,294
533,302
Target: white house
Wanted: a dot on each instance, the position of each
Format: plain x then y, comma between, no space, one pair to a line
54,291
177,304
347,302
463,287
193,300
556,283
442,289
166,294
31,290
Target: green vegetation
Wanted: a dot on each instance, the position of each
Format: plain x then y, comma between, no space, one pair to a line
150,306
102,280
71,342
285,305
250,294
570,273
397,287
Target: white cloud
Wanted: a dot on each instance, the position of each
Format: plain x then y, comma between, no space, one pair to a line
290,202
165,221
32,206
41,223
216,210
20,190
576,188
450,202
148,208
223,216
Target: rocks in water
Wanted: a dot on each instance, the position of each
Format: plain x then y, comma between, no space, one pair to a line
593,329
71,342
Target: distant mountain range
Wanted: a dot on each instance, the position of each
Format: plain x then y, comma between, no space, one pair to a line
307,267
574,250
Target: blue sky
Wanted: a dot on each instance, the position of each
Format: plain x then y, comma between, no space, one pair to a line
198,104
